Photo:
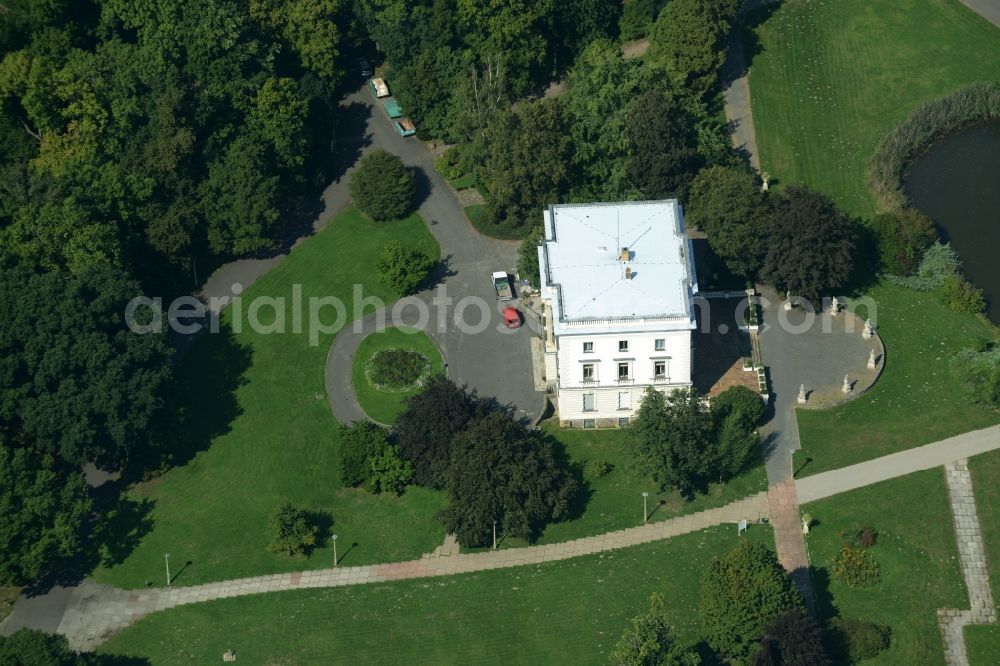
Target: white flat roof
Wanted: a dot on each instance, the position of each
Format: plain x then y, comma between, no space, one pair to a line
584,267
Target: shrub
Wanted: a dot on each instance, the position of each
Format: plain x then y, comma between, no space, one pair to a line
527,256
795,639
596,469
939,262
862,538
856,566
29,647
741,593
745,403
382,186
290,531
977,103
403,269
959,295
396,369
856,640
447,164
902,238
358,443
388,472
979,372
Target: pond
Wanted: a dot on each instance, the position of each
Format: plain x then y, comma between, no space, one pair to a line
957,184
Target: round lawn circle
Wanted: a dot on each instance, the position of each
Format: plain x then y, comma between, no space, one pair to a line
389,367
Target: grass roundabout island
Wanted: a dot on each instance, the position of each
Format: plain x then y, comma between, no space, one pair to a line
390,366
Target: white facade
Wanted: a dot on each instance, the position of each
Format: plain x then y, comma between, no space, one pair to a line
618,282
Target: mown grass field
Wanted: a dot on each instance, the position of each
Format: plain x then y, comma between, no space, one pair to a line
983,642
829,77
253,408
569,612
381,405
916,551
916,401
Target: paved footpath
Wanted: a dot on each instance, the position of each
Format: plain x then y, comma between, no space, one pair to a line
973,559
95,612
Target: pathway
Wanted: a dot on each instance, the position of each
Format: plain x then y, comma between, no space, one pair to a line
988,9
95,611
974,570
736,93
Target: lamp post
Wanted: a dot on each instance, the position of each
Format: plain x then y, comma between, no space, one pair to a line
333,538
645,512
494,535
166,559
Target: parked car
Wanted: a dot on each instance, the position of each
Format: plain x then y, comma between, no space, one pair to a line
378,87
365,67
392,108
501,282
511,317
405,127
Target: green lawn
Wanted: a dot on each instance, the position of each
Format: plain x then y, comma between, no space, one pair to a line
568,612
916,401
916,550
464,182
255,417
614,502
831,78
983,643
384,406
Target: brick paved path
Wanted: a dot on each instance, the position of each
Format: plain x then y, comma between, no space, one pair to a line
96,611
788,539
974,570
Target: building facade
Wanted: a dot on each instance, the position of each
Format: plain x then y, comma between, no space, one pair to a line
617,284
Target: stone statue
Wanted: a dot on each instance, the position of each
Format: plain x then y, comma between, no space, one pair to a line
802,394
871,360
846,388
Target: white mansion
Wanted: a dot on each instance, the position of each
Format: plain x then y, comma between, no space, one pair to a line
617,283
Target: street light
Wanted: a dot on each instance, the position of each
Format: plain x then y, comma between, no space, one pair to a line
333,538
166,559
645,512
494,535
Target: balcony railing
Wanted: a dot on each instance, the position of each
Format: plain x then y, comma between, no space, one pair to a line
625,380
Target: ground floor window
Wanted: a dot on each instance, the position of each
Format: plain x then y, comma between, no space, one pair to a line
589,423
623,422
588,402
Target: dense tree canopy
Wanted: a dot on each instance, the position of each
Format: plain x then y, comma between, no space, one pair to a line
74,381
727,204
810,244
501,471
44,508
741,593
663,155
382,186
688,40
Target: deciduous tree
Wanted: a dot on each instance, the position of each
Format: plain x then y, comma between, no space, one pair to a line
648,642
290,531
403,269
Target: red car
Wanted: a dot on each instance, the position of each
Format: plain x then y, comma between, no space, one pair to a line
511,317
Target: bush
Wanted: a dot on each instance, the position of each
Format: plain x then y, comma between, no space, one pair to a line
29,647
977,103
856,566
745,403
388,472
648,641
959,295
597,469
741,593
359,443
403,269
979,372
938,263
290,531
382,186
527,256
902,238
854,640
793,639
397,369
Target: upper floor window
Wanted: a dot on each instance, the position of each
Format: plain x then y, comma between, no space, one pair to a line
588,372
660,344
623,345
623,371
660,369
588,347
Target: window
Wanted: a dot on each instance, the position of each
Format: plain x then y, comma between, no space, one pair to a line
589,423
588,347
660,344
623,422
625,400
659,369
623,345
623,371
588,402
588,372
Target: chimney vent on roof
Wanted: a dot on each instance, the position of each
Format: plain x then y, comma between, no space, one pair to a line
628,272
625,254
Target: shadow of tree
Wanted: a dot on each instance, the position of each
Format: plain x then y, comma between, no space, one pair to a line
751,21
